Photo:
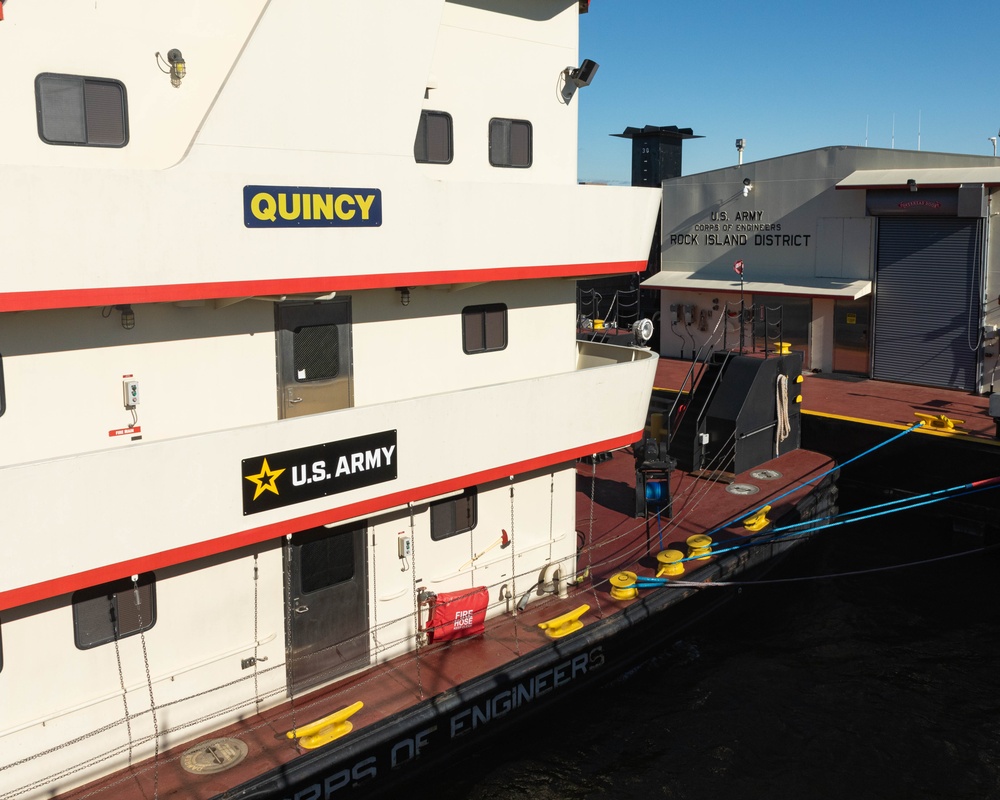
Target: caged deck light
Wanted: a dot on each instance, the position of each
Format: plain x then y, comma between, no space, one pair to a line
176,66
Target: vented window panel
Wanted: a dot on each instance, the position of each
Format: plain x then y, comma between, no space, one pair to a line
73,110
454,515
113,610
484,328
433,144
510,143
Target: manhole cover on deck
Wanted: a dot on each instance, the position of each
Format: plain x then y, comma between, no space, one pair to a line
742,488
216,755
765,474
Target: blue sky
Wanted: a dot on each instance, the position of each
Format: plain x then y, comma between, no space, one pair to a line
788,77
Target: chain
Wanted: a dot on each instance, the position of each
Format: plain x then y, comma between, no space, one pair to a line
416,601
149,683
513,567
256,637
288,625
590,537
121,681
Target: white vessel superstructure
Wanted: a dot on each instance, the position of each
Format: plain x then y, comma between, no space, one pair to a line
287,308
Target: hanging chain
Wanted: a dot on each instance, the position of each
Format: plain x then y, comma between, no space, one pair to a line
590,537
288,626
121,681
256,636
416,600
513,568
149,684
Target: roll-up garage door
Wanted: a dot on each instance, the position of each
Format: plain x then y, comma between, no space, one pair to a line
927,286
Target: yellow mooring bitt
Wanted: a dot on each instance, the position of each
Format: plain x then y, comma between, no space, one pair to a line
670,562
699,547
325,730
939,422
758,521
566,624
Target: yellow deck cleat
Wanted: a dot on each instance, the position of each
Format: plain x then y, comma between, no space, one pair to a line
566,624
325,730
939,422
758,521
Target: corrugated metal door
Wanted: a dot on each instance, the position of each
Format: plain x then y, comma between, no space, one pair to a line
927,287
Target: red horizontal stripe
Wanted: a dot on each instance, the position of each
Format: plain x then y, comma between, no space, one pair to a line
180,555
172,293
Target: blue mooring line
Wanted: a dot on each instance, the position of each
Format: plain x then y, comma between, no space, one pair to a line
818,477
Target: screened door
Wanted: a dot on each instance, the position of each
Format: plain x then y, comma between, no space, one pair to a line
314,357
928,281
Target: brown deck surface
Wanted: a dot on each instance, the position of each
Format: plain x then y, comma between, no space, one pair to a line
870,400
605,508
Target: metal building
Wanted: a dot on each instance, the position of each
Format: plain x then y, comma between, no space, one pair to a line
877,262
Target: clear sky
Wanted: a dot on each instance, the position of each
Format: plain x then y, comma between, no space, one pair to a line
788,76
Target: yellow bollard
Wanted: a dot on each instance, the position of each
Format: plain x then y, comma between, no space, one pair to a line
669,563
699,547
619,583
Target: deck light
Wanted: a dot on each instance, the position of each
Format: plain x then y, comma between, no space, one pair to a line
128,316
747,186
176,66
578,77
404,295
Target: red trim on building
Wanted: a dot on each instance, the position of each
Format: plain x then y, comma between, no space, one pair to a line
179,555
172,293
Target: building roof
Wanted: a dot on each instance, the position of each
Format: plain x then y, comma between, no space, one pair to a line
804,287
927,177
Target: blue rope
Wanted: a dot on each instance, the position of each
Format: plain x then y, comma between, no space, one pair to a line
771,538
818,477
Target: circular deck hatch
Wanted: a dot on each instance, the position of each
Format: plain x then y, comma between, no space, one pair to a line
742,488
765,474
215,755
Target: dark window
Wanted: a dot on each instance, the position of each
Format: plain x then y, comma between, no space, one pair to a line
510,143
316,351
114,610
81,111
326,559
484,328
433,144
454,515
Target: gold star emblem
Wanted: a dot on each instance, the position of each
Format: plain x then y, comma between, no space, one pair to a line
265,480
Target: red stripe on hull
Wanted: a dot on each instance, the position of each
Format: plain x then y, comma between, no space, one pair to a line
166,558
172,293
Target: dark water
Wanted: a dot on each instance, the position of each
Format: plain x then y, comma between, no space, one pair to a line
885,685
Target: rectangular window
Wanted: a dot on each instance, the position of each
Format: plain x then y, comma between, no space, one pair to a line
484,328
433,144
81,111
510,143
454,515
113,610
